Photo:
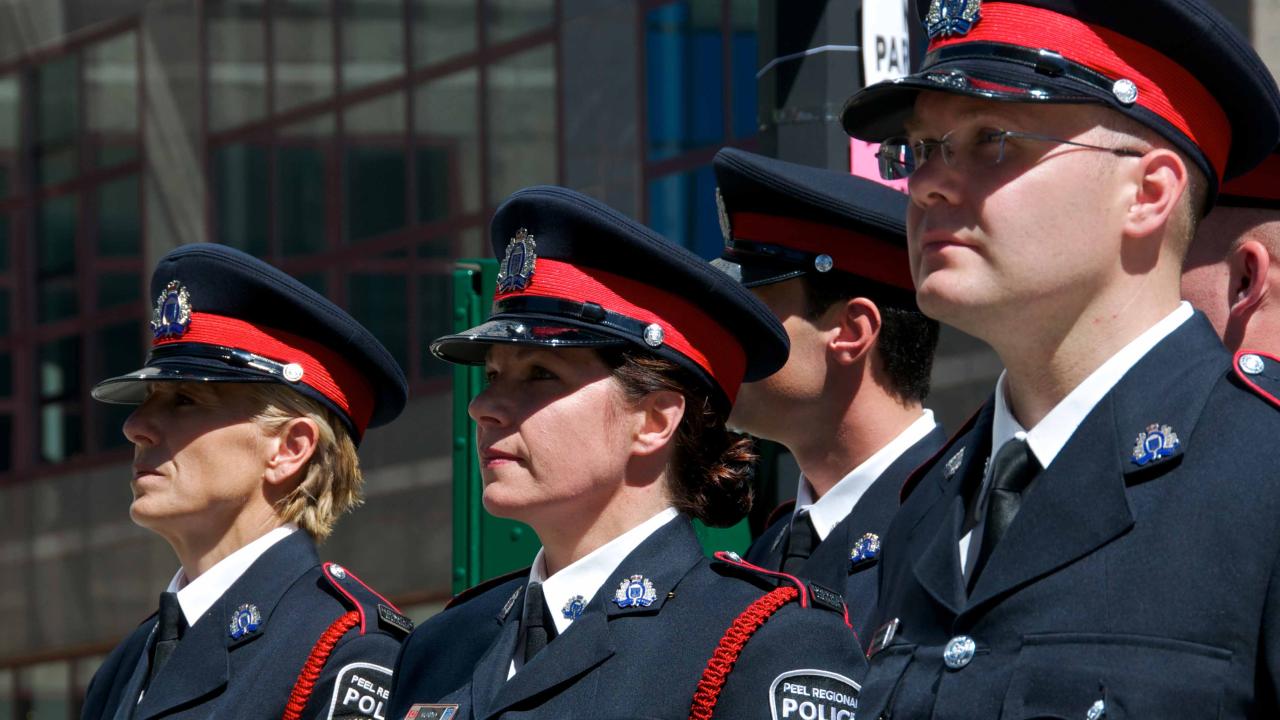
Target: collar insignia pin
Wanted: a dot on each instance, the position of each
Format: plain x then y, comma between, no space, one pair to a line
511,602
635,591
867,548
1156,442
573,608
953,464
726,230
518,263
244,620
172,314
947,18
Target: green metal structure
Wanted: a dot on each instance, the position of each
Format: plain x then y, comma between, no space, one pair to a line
485,546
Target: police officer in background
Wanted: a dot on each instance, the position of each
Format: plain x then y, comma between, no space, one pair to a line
826,251
1232,273
252,401
1100,540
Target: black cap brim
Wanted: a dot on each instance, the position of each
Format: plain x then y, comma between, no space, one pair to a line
752,275
470,346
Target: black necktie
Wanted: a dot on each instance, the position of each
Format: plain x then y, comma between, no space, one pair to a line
169,629
539,628
1012,470
800,543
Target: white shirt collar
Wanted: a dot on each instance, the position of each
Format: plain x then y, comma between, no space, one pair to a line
586,575
1049,436
197,596
827,511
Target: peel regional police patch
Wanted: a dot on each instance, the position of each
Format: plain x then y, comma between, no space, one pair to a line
361,693
813,695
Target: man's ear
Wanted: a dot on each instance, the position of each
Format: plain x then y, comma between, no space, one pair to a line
1248,265
1161,178
857,327
660,414
291,448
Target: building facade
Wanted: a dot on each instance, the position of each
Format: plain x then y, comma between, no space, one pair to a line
360,145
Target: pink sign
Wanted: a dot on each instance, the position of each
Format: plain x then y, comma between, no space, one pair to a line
863,163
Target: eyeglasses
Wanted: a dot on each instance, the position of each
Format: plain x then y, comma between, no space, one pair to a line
899,157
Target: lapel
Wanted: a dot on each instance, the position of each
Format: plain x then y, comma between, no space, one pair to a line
201,663
490,673
664,558
937,509
879,504
126,682
1078,503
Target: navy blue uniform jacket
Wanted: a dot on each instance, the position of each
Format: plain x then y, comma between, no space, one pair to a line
1150,591
829,564
211,675
640,662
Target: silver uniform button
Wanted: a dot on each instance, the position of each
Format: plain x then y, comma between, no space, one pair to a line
337,571
1125,90
1252,364
1097,712
824,263
959,652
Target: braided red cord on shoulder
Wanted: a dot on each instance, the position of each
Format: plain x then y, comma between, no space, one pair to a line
730,647
315,663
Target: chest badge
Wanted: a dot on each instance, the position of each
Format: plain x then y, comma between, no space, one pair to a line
635,591
172,314
518,263
245,620
866,549
948,18
1156,442
573,607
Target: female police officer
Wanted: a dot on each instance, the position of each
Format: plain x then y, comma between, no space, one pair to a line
244,456
612,358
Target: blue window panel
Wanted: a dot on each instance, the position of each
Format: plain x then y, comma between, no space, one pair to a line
683,208
684,64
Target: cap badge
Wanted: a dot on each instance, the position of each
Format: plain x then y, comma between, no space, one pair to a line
867,548
518,263
654,335
172,315
244,620
573,607
635,591
725,229
1156,442
952,17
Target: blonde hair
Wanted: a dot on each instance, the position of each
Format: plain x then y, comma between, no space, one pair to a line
332,483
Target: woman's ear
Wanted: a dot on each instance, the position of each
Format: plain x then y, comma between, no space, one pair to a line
660,414
290,449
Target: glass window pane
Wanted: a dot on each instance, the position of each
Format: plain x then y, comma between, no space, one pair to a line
512,18
58,380
10,126
119,221
522,95
120,350
6,695
240,196
684,71
746,61
6,374
303,37
372,41
6,229
375,167
435,318
682,207
45,688
4,311
56,259
302,178
378,301
442,29
447,146
118,289
111,95
55,85
236,35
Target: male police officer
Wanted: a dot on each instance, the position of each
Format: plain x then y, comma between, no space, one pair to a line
826,252
244,457
1232,272
1117,555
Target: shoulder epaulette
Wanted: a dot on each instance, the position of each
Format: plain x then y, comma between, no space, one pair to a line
783,510
1260,372
808,594
365,601
918,474
484,586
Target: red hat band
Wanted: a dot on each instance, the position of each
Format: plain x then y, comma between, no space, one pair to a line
1258,188
1164,87
852,252
322,369
686,328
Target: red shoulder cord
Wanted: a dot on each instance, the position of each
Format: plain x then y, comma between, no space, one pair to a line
726,654
311,670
